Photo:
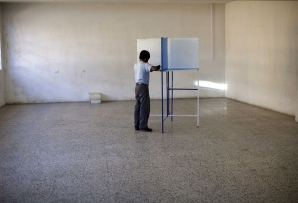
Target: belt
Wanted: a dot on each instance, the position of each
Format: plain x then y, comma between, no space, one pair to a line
139,83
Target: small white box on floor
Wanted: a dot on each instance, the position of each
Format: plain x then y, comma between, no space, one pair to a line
95,101
94,98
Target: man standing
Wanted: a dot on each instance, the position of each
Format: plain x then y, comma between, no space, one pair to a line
142,107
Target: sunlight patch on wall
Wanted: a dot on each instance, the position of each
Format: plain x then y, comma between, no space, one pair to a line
211,85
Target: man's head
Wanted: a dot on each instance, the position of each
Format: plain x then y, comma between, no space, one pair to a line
144,55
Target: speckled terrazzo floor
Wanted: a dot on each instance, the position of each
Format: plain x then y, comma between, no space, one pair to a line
77,152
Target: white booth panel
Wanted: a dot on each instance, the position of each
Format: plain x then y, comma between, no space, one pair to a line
154,48
183,53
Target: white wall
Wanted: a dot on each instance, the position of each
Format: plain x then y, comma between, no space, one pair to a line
60,52
261,54
2,101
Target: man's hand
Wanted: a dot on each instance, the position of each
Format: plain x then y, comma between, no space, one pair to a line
155,68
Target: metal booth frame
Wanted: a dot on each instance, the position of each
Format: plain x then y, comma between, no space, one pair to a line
170,88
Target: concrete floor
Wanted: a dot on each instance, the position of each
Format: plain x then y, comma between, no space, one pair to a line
76,152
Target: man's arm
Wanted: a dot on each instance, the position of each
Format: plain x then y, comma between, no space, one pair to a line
155,68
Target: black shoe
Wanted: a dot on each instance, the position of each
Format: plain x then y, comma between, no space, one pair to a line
137,128
146,129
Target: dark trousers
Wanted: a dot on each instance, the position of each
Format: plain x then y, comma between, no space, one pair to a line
142,107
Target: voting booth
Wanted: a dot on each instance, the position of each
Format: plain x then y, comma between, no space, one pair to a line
173,54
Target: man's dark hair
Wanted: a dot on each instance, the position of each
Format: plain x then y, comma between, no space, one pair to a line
144,54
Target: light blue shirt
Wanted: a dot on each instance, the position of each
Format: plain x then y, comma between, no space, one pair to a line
142,71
